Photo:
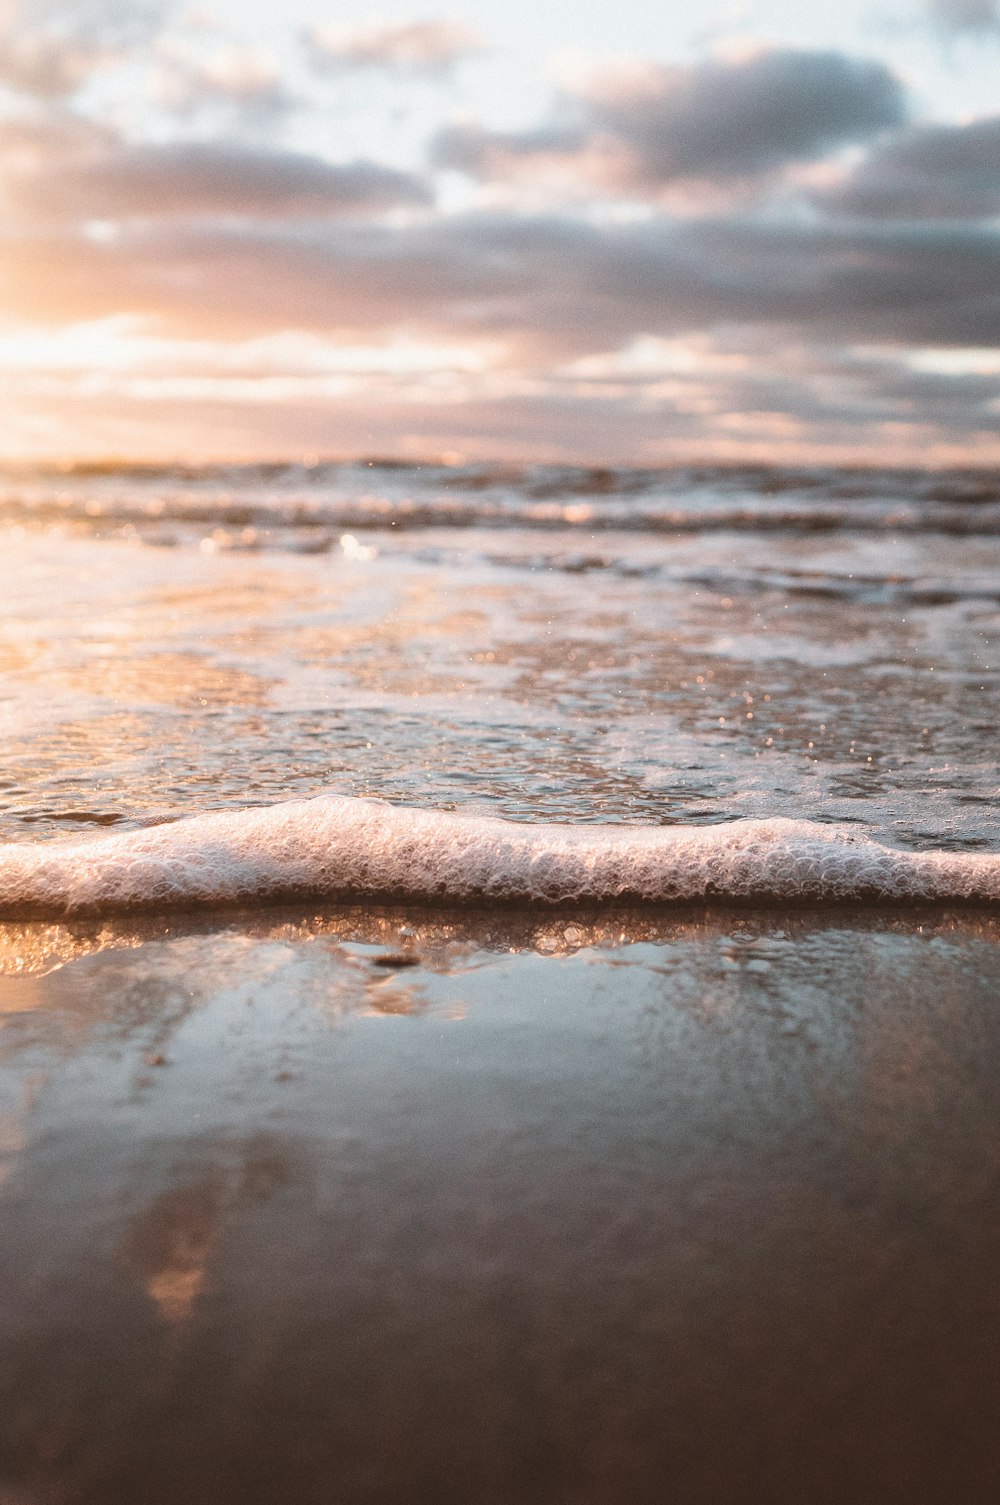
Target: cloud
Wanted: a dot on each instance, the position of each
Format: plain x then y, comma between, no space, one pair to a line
650,125
231,239
738,119
49,48
246,79
44,65
930,172
484,154
734,399
204,180
549,288
429,46
32,141
957,16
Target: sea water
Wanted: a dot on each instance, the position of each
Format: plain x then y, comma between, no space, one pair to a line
676,650
395,1106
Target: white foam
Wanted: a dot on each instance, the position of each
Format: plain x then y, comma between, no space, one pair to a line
355,848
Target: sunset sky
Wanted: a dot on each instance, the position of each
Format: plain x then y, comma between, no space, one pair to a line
599,232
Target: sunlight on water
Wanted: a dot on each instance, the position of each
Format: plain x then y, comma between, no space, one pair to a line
645,648
356,1149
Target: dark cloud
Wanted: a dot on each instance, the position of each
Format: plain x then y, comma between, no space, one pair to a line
550,287
957,16
205,180
487,154
714,122
225,240
428,46
737,119
931,172
924,284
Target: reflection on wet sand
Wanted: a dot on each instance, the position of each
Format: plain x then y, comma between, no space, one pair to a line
167,1250
169,1246
590,1209
438,936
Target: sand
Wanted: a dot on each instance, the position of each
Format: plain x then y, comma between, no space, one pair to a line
697,1208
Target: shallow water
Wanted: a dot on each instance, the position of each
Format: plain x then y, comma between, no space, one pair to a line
477,1206
544,645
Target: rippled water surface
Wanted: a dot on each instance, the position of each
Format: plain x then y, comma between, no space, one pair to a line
544,644
382,1204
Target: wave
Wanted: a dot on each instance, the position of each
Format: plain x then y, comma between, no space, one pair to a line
874,590
318,520
350,849
257,504
963,484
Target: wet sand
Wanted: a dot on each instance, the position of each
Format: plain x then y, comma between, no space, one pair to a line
390,1207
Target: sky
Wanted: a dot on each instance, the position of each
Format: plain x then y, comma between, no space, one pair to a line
600,233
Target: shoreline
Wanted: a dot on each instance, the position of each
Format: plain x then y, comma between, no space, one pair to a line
558,1212
30,943
332,847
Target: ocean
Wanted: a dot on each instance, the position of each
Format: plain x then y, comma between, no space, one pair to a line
499,985
545,645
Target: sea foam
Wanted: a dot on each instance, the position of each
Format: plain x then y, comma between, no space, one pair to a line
331,847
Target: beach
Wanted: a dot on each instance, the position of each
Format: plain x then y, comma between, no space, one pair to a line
499,794
498,986
560,1210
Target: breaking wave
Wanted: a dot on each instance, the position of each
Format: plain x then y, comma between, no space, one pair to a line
264,505
331,847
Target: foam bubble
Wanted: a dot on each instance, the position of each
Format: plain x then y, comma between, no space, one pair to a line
354,848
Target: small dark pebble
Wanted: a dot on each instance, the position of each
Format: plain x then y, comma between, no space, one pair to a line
156,1058
396,959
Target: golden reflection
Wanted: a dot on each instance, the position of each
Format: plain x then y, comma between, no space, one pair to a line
26,993
78,745
14,658
170,1247
187,681
233,600
447,941
33,950
386,998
